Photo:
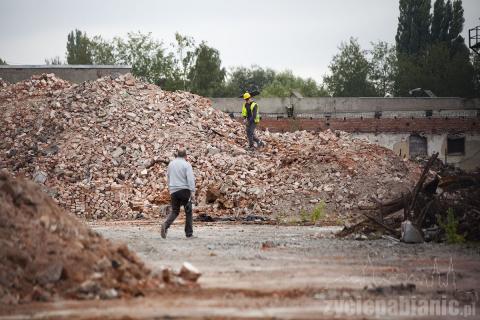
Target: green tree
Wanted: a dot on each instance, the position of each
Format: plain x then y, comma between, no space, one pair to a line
460,73
241,79
207,76
53,61
453,77
103,51
456,25
475,58
413,30
148,58
446,21
285,82
410,74
78,48
185,56
383,67
437,70
444,64
349,71
2,62
437,19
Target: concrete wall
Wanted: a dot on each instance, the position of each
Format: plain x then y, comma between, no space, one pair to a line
357,107
399,143
73,73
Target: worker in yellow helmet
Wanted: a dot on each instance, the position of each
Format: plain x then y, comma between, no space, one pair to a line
251,116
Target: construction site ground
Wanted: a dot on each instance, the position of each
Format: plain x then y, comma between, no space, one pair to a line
252,271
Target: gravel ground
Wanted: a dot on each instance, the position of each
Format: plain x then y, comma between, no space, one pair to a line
265,271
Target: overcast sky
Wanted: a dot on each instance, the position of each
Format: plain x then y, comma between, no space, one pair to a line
300,35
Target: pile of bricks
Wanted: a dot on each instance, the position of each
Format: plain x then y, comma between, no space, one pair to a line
101,149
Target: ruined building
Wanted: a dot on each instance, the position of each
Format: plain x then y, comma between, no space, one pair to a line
411,127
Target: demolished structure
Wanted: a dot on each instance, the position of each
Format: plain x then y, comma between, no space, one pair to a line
443,205
101,148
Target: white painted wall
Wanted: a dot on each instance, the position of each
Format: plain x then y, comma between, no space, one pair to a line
399,143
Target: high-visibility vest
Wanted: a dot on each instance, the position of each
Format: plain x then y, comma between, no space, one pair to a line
252,105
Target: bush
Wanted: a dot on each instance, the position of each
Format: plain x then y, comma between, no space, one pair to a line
318,212
450,227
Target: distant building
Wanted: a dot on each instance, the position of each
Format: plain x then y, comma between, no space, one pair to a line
73,73
411,127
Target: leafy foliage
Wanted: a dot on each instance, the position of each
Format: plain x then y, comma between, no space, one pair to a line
2,62
429,53
383,67
285,82
413,30
53,61
241,79
147,57
475,58
450,227
350,72
318,212
184,60
443,64
78,48
103,51
207,75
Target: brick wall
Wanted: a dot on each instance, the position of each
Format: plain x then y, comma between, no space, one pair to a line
385,125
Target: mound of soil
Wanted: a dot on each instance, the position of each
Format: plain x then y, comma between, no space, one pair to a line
47,254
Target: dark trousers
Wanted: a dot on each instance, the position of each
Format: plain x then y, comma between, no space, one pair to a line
178,199
251,134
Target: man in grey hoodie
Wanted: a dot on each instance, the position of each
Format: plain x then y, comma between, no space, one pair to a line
181,185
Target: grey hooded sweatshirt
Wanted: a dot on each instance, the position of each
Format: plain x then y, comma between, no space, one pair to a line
180,176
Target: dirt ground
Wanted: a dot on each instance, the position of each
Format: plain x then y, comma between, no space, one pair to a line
253,271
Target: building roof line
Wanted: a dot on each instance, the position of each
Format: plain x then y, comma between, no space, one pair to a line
67,66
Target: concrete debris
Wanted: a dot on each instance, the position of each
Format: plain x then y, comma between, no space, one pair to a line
115,137
409,233
117,153
109,294
40,177
3,83
189,273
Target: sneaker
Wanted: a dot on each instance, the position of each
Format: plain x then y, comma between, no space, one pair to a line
163,231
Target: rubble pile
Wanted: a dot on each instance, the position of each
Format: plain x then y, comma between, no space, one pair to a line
37,85
3,83
48,254
101,148
443,206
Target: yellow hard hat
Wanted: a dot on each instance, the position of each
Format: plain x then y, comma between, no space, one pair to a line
246,96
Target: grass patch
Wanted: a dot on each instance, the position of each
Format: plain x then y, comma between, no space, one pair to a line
318,212
450,226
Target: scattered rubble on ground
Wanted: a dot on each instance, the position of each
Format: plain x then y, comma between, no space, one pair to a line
3,83
48,254
101,148
189,273
444,205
